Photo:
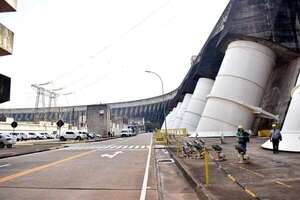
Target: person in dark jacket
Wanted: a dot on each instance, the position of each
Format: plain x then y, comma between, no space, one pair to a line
275,138
242,138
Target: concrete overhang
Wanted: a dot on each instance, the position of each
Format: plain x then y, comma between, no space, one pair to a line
8,5
6,41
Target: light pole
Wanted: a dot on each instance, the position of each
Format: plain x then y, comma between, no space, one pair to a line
163,96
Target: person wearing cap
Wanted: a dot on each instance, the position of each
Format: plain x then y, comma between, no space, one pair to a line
242,138
275,138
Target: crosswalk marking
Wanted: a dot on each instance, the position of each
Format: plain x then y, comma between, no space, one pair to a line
107,147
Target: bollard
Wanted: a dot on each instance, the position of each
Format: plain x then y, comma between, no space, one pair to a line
206,166
177,147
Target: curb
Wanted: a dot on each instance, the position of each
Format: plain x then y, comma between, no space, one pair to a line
61,145
199,188
66,143
32,152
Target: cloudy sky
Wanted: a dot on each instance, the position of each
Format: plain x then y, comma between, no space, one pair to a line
98,50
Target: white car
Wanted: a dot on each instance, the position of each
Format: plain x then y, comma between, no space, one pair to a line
67,135
83,135
7,140
36,136
126,132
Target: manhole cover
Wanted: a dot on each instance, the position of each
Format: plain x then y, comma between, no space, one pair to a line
169,160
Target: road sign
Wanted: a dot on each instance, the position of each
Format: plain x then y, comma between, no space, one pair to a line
60,123
14,124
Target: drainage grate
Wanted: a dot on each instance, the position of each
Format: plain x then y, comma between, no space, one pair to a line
168,160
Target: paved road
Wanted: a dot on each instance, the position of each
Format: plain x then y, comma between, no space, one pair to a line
114,169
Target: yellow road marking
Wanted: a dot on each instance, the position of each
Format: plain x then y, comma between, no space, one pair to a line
281,183
232,178
253,172
250,192
248,170
36,169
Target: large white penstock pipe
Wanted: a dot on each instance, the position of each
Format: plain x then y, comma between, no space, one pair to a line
241,81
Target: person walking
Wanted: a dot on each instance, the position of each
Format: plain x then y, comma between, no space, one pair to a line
275,138
242,138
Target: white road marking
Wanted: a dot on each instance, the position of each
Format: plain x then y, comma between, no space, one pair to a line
113,147
6,165
107,146
125,146
142,147
131,147
112,155
145,181
119,147
137,146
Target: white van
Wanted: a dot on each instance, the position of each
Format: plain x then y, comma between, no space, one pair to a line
126,132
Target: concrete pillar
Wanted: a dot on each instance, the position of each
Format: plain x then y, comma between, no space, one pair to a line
196,105
241,81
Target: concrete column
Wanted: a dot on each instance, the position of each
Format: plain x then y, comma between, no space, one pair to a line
241,81
196,105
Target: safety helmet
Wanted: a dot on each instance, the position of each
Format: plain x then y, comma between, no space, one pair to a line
240,127
274,125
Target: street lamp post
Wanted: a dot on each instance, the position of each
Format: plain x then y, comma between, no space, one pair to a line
163,96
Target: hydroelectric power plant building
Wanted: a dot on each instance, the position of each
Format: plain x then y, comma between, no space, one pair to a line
246,73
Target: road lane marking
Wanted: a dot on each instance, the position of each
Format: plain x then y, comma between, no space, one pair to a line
142,147
119,147
113,147
145,181
281,183
6,165
125,146
107,146
39,168
131,147
111,156
137,146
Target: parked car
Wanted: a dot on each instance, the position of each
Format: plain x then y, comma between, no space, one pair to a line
48,135
83,135
36,136
97,136
91,135
67,135
7,140
126,132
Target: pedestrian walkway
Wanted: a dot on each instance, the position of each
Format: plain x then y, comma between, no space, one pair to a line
266,176
109,147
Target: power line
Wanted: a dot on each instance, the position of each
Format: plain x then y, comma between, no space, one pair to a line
105,48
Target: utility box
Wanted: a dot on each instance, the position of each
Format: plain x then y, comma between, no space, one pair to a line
98,119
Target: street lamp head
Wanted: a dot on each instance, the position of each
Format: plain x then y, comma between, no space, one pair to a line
148,71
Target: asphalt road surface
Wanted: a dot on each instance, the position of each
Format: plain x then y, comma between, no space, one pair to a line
113,169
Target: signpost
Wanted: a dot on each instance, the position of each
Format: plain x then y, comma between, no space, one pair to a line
59,124
14,125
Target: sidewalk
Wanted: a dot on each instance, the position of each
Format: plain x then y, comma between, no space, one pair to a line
267,176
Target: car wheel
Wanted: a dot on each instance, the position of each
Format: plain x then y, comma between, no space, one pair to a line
9,145
18,139
2,145
62,139
78,138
